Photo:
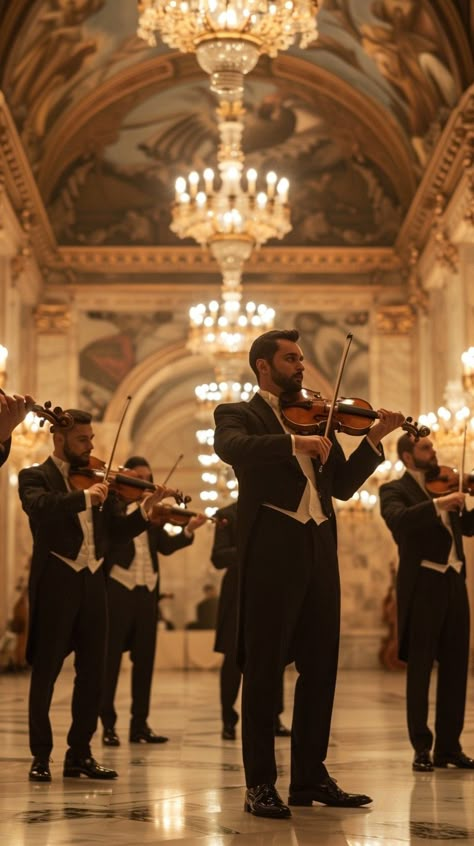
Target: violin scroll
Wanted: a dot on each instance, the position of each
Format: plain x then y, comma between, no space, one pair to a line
60,420
413,428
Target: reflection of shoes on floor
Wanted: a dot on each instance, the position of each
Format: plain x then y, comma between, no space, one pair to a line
281,730
40,769
422,762
459,759
228,732
265,801
110,737
146,735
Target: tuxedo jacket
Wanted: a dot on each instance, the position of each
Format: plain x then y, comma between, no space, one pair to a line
249,437
122,553
53,516
420,535
224,557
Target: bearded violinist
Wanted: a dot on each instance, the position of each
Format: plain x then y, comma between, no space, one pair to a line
132,597
432,602
289,581
67,597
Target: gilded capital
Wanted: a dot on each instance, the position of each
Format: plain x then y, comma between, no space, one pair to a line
52,318
394,320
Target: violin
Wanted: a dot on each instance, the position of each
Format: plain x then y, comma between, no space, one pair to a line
124,481
307,414
447,481
164,512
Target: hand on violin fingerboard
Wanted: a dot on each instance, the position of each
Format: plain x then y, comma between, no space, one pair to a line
13,410
98,492
387,422
317,446
196,521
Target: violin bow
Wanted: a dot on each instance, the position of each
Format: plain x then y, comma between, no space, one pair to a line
463,460
179,458
114,447
342,364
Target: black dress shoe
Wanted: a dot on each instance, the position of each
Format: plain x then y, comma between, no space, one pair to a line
228,732
328,793
460,760
264,801
87,766
281,730
110,738
146,735
40,769
422,762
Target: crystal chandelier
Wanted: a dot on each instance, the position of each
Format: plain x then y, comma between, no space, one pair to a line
454,421
228,36
219,482
231,218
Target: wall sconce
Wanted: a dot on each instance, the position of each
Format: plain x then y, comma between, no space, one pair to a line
3,366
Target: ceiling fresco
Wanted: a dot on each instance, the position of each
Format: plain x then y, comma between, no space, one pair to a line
108,123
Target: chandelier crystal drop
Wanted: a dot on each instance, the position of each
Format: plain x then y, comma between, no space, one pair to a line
228,36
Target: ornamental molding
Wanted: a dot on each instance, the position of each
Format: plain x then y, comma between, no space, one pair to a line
194,260
451,162
18,183
52,318
394,320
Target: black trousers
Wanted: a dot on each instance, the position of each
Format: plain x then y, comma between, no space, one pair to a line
133,617
291,611
70,616
439,630
230,678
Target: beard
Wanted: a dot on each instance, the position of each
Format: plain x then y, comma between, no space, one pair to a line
74,460
431,468
288,384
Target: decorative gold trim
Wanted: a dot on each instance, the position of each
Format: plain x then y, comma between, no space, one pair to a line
52,318
394,320
183,260
21,189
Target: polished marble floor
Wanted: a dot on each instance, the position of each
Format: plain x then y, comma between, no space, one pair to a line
190,791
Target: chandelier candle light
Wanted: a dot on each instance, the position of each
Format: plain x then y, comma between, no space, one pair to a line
228,36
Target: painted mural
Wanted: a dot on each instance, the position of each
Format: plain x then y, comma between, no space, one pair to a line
114,172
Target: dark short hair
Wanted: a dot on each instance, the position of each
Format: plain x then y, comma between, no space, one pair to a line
136,461
266,345
405,444
79,417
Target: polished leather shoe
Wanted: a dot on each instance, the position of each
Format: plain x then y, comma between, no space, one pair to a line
328,793
88,766
460,760
281,730
39,770
264,801
422,762
228,732
110,738
146,735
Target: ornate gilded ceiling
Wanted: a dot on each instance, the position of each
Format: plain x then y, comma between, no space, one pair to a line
107,124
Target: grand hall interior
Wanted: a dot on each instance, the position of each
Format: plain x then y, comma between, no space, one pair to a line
177,178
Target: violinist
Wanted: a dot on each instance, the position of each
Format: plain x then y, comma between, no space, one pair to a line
289,594
67,598
432,602
132,597
13,410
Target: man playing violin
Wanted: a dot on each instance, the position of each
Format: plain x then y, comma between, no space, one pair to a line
289,580
68,611
432,602
13,410
132,597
